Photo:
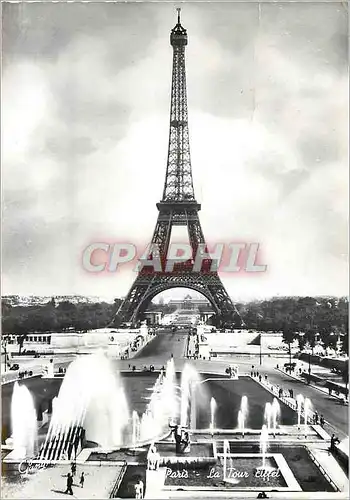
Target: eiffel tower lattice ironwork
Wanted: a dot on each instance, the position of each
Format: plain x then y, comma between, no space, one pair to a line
178,207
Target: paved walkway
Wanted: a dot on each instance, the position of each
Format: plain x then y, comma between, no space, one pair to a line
329,464
315,386
51,483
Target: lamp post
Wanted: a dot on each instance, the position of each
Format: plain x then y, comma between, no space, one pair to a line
260,353
4,347
312,341
290,355
302,334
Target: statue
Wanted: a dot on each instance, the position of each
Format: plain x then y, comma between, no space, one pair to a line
234,371
144,329
177,431
153,458
186,442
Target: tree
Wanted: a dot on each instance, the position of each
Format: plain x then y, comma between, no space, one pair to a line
20,341
52,302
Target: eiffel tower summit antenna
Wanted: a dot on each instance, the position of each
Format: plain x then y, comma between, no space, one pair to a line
178,207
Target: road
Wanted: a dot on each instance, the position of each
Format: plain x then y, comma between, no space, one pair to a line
160,349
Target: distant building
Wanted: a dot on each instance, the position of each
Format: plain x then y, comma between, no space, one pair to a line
153,317
189,303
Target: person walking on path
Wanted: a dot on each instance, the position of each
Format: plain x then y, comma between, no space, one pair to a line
334,441
82,480
73,468
69,484
322,421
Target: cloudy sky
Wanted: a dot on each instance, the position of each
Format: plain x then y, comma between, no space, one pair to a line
86,95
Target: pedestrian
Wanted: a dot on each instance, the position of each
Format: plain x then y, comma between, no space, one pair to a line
334,441
82,479
265,378
73,468
251,374
259,378
139,489
69,484
322,420
316,418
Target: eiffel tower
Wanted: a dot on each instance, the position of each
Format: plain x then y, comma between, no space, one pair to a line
178,207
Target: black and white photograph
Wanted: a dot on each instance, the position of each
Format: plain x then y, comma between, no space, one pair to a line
174,273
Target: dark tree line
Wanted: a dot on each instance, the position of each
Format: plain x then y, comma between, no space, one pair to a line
50,317
327,317
324,319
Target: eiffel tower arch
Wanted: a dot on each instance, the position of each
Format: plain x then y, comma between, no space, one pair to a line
178,207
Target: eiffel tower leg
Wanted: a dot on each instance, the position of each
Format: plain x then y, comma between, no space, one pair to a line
136,296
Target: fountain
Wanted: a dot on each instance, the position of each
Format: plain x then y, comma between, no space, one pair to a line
163,406
212,415
24,423
91,403
226,450
300,400
307,407
268,415
264,441
241,422
242,414
275,415
244,405
189,379
135,428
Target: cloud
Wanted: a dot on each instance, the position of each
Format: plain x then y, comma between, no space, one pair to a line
86,94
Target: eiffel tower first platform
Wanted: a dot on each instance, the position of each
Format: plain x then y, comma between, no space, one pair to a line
178,207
